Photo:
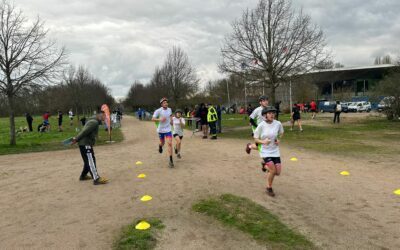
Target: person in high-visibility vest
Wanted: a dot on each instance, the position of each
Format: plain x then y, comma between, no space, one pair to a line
212,119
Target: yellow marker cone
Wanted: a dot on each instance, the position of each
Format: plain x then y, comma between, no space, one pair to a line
345,173
139,163
146,198
397,192
143,225
141,176
293,159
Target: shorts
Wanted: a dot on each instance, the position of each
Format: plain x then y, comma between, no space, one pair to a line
269,161
46,122
275,160
296,117
180,136
203,122
167,135
313,110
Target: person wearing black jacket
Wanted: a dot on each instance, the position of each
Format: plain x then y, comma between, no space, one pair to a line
338,111
29,120
86,140
202,113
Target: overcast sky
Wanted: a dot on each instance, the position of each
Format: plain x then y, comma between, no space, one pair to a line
123,41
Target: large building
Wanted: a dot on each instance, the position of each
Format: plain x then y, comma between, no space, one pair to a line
343,84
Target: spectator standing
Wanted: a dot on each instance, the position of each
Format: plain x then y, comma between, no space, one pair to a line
86,140
139,114
202,114
60,120
83,121
249,110
219,121
29,120
71,117
212,119
338,111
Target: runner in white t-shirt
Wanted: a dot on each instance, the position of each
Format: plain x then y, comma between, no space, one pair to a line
178,122
256,118
267,136
162,117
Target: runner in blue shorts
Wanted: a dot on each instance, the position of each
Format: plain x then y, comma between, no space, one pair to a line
162,117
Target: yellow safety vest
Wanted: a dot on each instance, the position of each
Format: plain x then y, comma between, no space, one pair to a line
212,114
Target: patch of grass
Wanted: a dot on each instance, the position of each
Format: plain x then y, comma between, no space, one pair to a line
48,141
131,238
253,219
238,120
369,136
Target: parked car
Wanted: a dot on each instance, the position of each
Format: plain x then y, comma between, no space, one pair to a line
365,106
326,106
345,107
359,107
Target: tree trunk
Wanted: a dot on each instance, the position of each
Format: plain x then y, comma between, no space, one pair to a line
12,120
272,95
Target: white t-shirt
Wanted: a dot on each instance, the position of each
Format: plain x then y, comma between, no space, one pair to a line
271,131
257,115
71,114
163,127
177,125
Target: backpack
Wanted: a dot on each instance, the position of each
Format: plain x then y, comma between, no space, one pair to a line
338,108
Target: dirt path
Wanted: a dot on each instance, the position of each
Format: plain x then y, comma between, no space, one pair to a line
43,205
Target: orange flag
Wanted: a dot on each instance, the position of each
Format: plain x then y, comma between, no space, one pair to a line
106,111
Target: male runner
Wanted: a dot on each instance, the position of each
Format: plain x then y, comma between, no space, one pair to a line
162,117
256,118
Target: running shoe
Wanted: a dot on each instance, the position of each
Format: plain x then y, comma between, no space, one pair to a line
213,138
160,149
179,156
248,149
205,137
270,192
85,178
100,180
171,164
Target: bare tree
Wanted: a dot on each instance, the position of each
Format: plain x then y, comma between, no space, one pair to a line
27,59
383,60
179,75
271,43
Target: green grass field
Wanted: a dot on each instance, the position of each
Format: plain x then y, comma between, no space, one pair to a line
236,120
253,219
370,135
37,142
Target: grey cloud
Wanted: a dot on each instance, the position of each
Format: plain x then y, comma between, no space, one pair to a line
122,41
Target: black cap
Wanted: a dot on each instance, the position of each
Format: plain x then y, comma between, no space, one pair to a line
268,109
263,98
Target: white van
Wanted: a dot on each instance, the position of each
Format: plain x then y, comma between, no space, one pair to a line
359,107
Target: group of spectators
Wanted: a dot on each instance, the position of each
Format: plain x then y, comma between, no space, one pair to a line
205,117
45,125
